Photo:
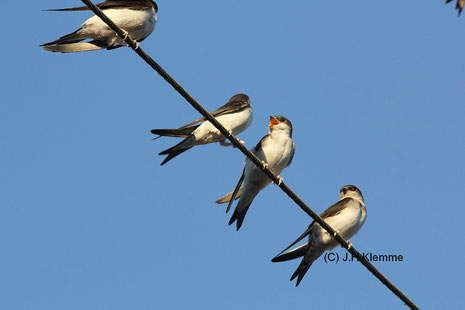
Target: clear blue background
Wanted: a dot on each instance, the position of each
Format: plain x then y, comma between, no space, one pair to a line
89,220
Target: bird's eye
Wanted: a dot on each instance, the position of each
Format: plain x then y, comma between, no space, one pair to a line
353,189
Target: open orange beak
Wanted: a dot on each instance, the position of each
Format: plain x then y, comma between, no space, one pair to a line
273,121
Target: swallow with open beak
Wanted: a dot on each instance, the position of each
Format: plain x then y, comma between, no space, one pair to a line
137,18
346,217
276,150
235,115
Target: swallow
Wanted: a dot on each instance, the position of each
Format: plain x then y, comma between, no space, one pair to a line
137,18
459,6
235,116
346,217
276,150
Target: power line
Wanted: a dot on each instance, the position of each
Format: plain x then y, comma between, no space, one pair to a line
249,154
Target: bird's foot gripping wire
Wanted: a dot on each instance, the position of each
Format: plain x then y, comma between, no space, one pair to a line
240,141
126,34
349,245
224,143
280,180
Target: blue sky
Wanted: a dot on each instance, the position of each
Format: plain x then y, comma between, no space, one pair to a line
89,220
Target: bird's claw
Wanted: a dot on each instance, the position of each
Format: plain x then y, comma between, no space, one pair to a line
135,43
349,245
224,143
126,34
264,165
280,180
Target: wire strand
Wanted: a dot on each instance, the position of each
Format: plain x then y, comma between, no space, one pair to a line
249,154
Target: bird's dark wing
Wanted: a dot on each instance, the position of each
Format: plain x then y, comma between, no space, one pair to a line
259,145
336,208
229,107
113,4
305,233
331,211
236,191
292,155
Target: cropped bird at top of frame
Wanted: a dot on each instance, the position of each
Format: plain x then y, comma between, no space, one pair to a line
346,217
276,150
235,116
137,18
459,6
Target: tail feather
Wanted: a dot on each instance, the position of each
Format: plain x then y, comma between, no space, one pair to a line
184,132
239,215
179,148
75,47
227,198
313,252
72,37
300,272
305,233
292,254
459,5
236,192
81,8
171,154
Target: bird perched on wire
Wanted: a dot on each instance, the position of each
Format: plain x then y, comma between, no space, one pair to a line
459,6
346,217
137,18
235,115
276,150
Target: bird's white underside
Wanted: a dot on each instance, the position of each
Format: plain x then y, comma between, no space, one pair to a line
138,23
235,122
347,223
